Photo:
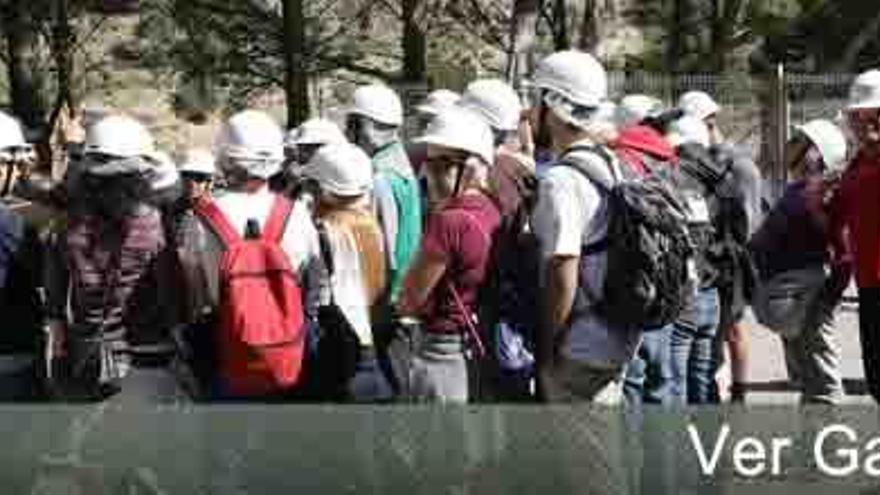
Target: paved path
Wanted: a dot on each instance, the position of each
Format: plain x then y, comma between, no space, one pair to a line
767,374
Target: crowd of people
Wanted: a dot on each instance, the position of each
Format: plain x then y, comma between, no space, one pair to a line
542,245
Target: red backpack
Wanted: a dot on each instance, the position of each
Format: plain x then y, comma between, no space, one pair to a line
262,333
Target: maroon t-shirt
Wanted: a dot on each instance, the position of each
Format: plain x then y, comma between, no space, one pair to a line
461,234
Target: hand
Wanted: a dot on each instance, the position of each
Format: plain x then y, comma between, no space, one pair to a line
526,139
57,338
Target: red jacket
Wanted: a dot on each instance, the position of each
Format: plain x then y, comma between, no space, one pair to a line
857,210
635,142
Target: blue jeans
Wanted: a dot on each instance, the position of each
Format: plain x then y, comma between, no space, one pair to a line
369,383
649,374
694,361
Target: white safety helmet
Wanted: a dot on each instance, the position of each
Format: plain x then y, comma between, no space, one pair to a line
164,174
119,136
688,129
379,103
198,161
495,101
829,140
252,141
315,131
11,133
575,75
698,104
342,169
461,129
636,108
437,101
865,91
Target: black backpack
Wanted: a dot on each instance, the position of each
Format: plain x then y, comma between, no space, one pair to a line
648,247
727,252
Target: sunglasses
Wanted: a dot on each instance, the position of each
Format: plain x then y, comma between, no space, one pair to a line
445,161
195,177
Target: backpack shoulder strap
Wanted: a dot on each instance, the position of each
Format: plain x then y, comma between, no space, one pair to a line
210,213
567,161
277,221
603,244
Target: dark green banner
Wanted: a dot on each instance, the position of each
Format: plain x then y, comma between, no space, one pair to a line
399,449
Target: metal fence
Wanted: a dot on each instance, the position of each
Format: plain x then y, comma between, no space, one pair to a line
749,102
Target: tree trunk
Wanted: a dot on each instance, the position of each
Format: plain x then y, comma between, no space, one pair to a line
296,84
675,49
25,81
589,36
415,58
857,44
522,42
561,40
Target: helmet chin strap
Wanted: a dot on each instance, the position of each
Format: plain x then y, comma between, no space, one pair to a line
7,181
458,176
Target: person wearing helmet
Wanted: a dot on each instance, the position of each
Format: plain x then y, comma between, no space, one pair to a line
373,123
115,338
516,259
499,106
20,252
300,145
197,175
856,210
436,101
579,357
801,283
249,150
441,288
639,144
743,181
167,191
694,336
354,278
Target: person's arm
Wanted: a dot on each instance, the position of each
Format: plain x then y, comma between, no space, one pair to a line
421,279
559,220
442,238
560,287
190,252
386,210
57,284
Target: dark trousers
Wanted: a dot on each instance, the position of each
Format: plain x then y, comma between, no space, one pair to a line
869,330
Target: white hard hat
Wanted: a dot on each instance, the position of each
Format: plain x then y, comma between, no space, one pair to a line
865,91
698,104
575,75
495,101
198,161
379,103
636,108
164,174
315,131
11,134
460,129
438,100
253,141
119,136
829,140
342,169
688,129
